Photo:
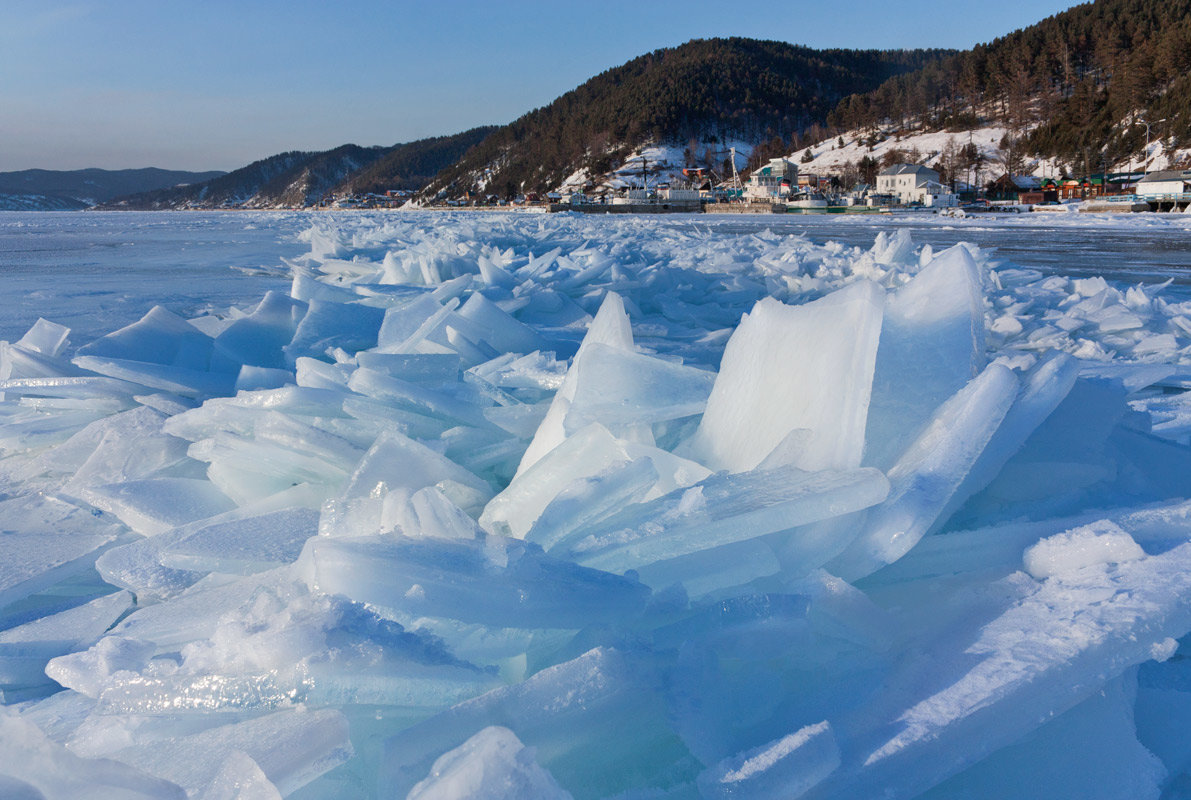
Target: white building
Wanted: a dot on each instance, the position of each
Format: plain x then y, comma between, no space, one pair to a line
1163,182
914,184
773,180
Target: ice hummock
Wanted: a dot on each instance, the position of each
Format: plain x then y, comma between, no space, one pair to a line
621,507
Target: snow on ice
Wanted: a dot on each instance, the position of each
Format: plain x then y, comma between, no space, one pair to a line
509,506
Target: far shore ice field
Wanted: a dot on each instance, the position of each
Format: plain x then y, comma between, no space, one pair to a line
443,504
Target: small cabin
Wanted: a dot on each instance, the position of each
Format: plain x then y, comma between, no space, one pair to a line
1165,182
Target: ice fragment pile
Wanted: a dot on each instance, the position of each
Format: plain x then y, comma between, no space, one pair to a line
516,506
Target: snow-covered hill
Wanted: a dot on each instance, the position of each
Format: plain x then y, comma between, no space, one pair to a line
928,147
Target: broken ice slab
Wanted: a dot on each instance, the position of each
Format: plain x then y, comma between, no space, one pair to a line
281,452
45,541
786,368
292,748
610,328
417,327
1091,752
160,337
258,338
253,378
721,509
25,649
427,369
137,566
154,505
932,344
589,500
597,723
27,429
1047,647
352,326
244,546
124,446
317,682
492,580
1072,460
416,398
482,321
402,321
396,461
194,614
494,765
45,337
619,387
1043,388
779,770
588,453
163,377
243,413
279,649
83,387
36,767
929,471
240,778
27,368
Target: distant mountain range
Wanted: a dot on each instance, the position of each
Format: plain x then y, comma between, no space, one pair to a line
44,189
304,179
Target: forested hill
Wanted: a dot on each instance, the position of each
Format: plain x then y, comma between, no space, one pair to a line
299,179
411,166
288,179
1072,86
724,88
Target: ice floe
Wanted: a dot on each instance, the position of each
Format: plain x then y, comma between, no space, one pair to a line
516,506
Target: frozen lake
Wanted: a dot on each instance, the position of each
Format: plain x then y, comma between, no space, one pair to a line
798,507
1127,248
97,271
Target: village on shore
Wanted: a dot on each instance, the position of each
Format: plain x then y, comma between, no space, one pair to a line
781,187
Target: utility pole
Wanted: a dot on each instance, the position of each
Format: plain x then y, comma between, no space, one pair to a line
1145,166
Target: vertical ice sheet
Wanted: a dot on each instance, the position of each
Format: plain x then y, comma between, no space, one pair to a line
795,368
492,765
611,328
929,471
932,343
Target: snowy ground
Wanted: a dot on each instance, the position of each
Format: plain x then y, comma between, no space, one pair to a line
548,506
830,158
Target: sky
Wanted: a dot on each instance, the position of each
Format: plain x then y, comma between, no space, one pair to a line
216,84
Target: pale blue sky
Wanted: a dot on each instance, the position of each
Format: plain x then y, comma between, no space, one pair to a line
215,84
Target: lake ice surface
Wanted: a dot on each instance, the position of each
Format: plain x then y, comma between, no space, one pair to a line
376,505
